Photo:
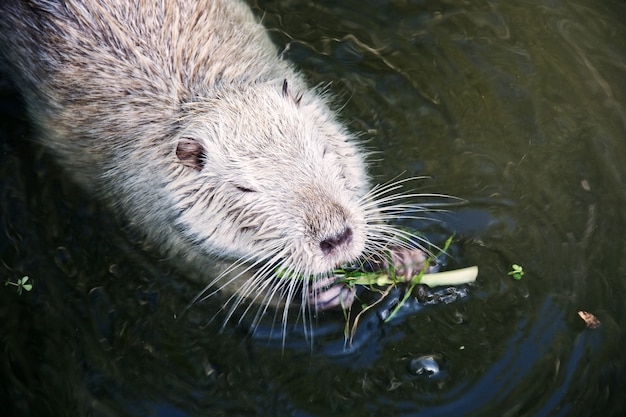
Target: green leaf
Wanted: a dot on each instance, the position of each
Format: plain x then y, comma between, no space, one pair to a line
382,280
517,272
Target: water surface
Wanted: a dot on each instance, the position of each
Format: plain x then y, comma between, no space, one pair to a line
516,107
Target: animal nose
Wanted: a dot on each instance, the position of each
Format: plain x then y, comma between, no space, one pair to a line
329,244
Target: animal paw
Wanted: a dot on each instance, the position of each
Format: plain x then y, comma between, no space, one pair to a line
327,294
405,262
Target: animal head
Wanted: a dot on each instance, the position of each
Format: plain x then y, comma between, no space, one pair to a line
266,175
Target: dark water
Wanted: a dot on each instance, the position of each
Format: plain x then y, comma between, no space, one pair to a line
517,107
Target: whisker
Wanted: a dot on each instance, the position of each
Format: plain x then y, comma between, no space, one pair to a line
273,282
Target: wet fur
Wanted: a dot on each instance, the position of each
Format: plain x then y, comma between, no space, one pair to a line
183,118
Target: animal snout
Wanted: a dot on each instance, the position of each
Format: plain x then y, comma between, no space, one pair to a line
329,244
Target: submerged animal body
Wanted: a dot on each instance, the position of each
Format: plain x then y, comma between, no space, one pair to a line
182,117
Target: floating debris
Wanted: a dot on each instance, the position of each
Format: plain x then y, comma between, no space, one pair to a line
590,320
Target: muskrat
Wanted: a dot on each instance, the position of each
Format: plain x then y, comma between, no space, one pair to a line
183,118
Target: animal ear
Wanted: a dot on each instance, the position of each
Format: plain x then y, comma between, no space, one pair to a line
190,152
287,94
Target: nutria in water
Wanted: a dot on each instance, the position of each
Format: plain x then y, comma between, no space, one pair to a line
181,116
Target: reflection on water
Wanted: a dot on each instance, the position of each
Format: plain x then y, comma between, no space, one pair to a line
518,108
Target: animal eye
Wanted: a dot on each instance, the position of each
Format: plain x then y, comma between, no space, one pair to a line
244,189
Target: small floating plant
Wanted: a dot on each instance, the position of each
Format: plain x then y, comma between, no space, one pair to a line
517,272
22,284
384,281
